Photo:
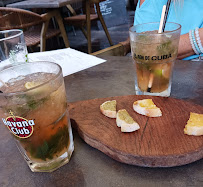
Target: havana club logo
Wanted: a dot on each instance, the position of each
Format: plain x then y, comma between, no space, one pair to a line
20,127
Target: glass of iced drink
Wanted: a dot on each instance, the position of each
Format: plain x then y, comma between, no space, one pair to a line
153,56
13,49
33,106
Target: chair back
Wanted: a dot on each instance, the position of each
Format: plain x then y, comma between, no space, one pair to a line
14,18
115,50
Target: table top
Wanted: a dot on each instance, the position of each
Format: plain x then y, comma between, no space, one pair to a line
90,167
6,2
42,3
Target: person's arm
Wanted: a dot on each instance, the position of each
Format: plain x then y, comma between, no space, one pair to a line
141,1
185,48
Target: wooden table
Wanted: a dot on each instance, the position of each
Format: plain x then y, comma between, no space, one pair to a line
6,2
42,3
90,167
53,6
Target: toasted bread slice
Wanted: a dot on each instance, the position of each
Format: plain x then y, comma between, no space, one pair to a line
147,107
194,125
108,108
126,122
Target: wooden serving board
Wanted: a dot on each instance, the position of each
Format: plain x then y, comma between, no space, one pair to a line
160,142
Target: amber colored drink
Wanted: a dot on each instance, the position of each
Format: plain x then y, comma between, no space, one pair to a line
154,55
36,115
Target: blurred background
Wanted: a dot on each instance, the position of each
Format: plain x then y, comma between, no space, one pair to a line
118,16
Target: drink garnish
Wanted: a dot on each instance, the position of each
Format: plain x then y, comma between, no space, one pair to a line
162,24
32,84
158,72
54,145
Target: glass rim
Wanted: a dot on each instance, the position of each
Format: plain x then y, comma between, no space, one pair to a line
162,33
25,64
13,36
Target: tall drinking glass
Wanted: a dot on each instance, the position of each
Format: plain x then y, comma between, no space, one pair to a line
13,49
33,107
153,56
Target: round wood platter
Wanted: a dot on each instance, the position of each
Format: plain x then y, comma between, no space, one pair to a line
160,141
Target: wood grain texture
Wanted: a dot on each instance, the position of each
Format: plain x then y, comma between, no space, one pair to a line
160,142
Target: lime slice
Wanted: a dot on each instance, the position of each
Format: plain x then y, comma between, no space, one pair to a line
158,72
32,84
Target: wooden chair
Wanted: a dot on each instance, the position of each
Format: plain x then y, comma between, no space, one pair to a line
36,27
121,49
85,20
115,50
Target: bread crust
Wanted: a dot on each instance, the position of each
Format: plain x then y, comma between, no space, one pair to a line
108,113
192,130
129,127
126,127
194,125
150,112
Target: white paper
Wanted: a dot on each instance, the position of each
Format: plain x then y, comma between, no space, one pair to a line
69,59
